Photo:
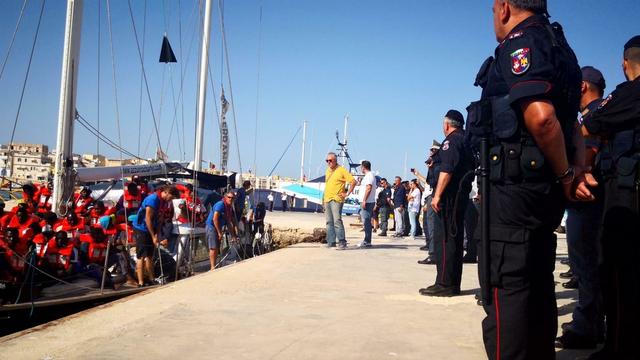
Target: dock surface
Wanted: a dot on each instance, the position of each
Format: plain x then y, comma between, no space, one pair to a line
302,302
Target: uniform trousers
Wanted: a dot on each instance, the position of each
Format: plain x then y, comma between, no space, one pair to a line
621,270
521,321
448,243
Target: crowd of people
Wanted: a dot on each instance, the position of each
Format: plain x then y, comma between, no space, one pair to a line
39,247
542,140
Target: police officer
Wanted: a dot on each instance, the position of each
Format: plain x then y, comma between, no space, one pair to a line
530,98
454,183
618,122
583,226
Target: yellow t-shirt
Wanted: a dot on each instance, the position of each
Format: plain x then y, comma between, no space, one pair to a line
335,183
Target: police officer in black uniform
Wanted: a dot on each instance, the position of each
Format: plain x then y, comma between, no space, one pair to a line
530,98
450,198
618,122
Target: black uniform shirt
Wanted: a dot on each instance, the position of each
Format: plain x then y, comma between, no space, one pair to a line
532,63
454,157
618,112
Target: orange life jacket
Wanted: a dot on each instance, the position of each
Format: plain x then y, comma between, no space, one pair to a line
131,202
81,204
45,201
97,251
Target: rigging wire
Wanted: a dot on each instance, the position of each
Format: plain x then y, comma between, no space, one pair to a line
184,152
98,85
285,151
13,38
144,74
26,78
255,129
90,128
233,107
144,32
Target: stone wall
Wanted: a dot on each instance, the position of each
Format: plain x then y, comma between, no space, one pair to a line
285,237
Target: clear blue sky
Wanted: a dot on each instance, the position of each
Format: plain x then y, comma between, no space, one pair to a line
394,67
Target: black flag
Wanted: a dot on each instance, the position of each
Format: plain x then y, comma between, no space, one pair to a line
166,53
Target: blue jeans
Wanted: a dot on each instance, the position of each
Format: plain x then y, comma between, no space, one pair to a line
365,216
583,224
335,228
413,220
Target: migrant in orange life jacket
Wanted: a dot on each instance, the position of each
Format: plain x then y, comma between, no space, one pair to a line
44,200
5,219
61,253
72,225
81,203
15,250
23,224
30,197
131,201
95,246
97,212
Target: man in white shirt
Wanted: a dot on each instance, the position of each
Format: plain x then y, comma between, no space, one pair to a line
367,201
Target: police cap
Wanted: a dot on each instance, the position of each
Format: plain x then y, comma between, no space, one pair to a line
632,43
594,76
455,117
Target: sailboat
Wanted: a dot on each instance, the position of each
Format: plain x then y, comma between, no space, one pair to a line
66,177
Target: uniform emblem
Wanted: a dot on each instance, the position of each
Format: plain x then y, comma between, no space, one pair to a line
515,35
520,61
605,101
445,145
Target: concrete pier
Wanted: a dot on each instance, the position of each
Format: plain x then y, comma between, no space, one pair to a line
301,302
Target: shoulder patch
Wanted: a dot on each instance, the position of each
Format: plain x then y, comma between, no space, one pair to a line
515,35
605,101
520,61
445,145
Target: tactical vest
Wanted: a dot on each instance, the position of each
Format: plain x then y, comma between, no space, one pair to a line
514,155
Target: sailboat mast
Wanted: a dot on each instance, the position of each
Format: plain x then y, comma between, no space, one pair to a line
345,160
63,180
304,142
202,89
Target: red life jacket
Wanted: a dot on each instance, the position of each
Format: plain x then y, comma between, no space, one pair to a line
95,215
131,202
4,221
16,262
25,233
67,257
45,201
97,251
81,204
73,231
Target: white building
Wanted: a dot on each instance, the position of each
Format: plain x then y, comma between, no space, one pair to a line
25,162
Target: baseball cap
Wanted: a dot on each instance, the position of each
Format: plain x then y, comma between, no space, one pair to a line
594,76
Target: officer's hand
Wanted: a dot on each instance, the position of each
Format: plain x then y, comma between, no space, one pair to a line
435,204
582,184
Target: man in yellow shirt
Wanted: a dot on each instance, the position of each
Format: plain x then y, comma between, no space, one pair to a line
336,178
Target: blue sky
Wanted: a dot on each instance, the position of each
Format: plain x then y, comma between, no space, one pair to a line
394,67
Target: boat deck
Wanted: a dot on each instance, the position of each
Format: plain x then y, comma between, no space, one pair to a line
301,302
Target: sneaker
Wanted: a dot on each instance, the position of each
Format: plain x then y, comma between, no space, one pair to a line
364,245
384,233
341,246
330,245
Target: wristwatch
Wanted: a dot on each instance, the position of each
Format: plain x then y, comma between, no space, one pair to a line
567,176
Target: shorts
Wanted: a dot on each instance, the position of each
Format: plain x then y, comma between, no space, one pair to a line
212,239
144,244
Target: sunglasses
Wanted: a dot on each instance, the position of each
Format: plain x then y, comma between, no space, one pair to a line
230,197
329,160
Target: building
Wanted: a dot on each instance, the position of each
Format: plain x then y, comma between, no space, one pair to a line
91,160
25,162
